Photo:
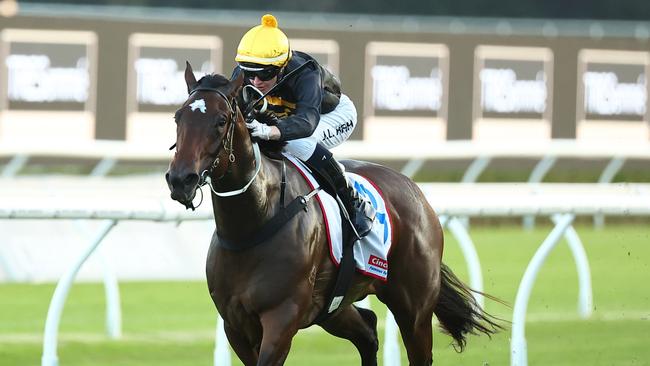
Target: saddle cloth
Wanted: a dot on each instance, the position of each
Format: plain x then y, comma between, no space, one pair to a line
371,253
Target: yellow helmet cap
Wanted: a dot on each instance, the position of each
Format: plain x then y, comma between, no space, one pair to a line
264,44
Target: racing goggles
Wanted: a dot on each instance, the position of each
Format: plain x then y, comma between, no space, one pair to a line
264,73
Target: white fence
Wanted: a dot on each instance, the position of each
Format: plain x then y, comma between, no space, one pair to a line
179,252
562,202
108,154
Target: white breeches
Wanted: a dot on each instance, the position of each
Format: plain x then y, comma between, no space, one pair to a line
333,128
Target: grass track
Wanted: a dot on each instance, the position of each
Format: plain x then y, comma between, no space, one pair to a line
172,323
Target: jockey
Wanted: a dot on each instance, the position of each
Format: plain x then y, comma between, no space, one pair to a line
313,115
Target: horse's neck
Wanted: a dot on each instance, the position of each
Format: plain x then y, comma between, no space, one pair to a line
239,216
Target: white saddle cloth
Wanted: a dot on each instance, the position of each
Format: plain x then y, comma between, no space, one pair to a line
371,254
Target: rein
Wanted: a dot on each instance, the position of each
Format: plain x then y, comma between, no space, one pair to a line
286,77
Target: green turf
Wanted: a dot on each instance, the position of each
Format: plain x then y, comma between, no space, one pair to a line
172,323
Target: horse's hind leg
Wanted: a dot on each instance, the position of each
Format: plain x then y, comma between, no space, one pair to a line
412,300
417,334
359,326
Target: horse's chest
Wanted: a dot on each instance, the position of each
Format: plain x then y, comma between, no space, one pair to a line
241,282
241,301
258,280
231,298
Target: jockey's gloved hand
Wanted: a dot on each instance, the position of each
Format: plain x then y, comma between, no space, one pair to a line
259,130
266,116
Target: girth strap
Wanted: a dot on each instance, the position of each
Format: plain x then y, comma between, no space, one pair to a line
343,278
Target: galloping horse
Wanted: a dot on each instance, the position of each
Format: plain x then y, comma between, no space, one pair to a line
267,292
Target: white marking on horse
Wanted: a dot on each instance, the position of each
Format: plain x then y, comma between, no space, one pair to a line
198,104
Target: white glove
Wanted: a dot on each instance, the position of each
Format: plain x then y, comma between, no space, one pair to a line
259,130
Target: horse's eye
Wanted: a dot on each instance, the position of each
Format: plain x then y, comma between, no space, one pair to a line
221,121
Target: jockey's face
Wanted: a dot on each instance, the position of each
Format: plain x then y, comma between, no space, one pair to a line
263,77
263,85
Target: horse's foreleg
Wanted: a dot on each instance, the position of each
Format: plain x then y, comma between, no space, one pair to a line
359,326
246,352
279,326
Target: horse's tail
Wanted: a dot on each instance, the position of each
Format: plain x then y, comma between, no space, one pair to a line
459,313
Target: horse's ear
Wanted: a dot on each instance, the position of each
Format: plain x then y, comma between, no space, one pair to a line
190,79
235,85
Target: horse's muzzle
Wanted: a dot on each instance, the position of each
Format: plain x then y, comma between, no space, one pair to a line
182,187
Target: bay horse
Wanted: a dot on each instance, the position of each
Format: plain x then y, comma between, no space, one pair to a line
268,292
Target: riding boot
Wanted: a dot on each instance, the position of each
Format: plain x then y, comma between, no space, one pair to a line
360,210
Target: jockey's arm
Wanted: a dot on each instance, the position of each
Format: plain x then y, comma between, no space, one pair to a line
309,93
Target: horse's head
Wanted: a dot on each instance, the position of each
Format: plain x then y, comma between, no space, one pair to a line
205,125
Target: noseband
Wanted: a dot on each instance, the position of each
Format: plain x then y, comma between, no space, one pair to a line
226,143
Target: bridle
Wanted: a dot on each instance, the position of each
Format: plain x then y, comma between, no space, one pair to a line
227,145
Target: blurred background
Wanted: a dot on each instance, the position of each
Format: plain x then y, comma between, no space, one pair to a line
515,93
438,71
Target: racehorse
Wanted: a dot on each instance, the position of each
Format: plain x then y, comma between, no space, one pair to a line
267,292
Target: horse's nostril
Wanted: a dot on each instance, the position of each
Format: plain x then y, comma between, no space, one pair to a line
191,180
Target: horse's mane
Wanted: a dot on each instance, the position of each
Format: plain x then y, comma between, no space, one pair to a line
272,149
213,81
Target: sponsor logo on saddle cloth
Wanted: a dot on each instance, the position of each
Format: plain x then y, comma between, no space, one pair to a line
371,254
